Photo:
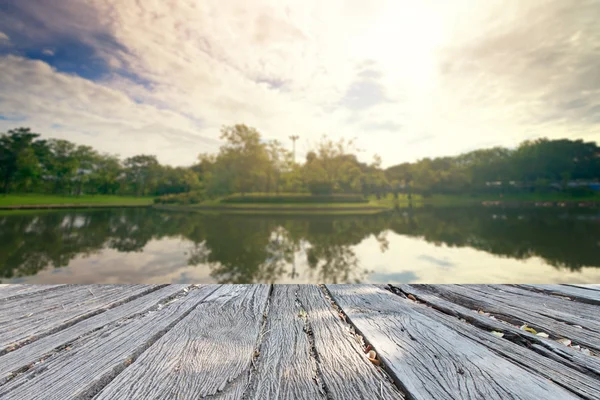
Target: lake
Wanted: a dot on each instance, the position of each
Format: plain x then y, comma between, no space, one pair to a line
431,245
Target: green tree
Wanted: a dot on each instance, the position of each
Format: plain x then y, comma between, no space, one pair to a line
18,158
242,165
105,176
141,173
62,165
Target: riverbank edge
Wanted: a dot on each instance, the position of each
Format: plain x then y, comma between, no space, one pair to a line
373,206
248,208
69,206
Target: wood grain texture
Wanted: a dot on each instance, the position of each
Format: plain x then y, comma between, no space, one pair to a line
22,357
518,312
28,318
570,312
583,295
307,353
430,359
589,286
11,291
567,356
85,366
580,383
345,368
285,367
209,353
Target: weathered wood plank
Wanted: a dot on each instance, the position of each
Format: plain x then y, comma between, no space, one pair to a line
346,370
11,291
89,363
430,359
588,286
567,356
285,367
576,293
573,313
584,382
307,354
518,313
29,354
209,353
29,318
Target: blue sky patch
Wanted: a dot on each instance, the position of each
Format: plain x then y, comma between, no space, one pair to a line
67,53
12,118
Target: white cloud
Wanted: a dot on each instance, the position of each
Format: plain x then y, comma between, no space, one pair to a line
408,79
4,39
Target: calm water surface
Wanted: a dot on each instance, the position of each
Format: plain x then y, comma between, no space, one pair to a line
475,245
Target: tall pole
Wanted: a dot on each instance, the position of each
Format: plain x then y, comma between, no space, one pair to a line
294,138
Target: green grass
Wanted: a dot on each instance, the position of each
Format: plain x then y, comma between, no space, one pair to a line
286,209
292,198
451,200
41,199
373,204
441,200
286,205
292,212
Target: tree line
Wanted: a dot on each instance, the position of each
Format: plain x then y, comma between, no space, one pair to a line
247,163
29,164
534,166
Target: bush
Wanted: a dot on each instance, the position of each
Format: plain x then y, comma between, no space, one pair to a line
581,191
181,198
295,198
320,188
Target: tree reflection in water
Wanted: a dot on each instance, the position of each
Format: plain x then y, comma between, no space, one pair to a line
248,249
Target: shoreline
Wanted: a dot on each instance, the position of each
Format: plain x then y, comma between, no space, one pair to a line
374,206
275,209
68,206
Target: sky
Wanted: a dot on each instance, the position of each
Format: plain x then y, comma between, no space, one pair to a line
406,79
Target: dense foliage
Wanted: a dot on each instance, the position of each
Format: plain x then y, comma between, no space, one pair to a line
294,198
248,164
540,165
30,164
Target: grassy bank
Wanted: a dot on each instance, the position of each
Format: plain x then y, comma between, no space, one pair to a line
312,209
284,203
466,200
17,200
303,204
525,198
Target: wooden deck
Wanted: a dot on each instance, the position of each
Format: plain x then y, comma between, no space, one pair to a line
299,342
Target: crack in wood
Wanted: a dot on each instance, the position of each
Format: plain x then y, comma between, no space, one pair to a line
67,346
364,343
29,291
318,378
589,388
521,314
511,334
69,323
530,324
252,371
570,293
107,378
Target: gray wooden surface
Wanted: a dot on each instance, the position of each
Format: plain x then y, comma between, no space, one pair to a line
567,356
208,353
432,360
576,372
582,293
14,291
530,310
299,342
40,313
